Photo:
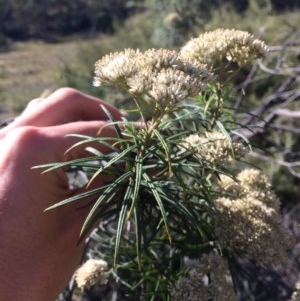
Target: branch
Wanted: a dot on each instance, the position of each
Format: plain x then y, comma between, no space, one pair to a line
289,165
286,113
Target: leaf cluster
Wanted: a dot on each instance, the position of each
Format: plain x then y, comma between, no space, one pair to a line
157,208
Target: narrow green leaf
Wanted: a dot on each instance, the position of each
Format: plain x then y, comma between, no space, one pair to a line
138,234
186,214
138,167
114,123
90,221
242,137
208,103
223,130
76,162
77,197
100,140
159,202
107,192
121,222
165,147
112,161
94,151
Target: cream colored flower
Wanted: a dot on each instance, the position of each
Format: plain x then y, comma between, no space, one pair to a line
158,73
209,279
248,219
93,271
251,182
158,59
214,147
167,79
168,86
232,45
296,293
114,68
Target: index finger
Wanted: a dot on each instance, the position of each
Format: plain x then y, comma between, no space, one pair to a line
64,106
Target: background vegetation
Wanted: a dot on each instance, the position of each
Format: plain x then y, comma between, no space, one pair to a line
50,43
51,19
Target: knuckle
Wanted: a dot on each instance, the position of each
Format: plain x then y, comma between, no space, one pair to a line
26,136
34,102
63,94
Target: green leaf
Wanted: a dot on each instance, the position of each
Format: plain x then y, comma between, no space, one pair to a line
138,234
138,168
121,221
187,215
54,166
93,151
242,137
100,140
114,123
107,194
223,130
208,103
165,147
159,202
77,197
112,161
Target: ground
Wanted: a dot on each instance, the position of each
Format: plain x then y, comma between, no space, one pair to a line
32,69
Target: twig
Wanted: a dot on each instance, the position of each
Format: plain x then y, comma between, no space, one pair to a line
289,165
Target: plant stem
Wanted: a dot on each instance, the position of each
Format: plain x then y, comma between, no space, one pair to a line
144,119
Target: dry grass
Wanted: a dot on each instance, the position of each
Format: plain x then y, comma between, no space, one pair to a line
32,69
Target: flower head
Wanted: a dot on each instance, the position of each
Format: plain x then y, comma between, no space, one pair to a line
251,182
158,59
296,294
214,147
91,272
115,67
232,45
209,279
248,219
168,86
160,74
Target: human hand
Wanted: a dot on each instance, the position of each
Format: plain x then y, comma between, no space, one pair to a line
38,250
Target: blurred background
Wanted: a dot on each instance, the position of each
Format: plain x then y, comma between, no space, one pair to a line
47,44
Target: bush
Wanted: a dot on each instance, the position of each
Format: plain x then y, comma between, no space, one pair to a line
51,19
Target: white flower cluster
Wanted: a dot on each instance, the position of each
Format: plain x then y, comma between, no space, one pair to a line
214,147
116,67
208,280
159,73
248,219
93,271
169,77
296,293
229,44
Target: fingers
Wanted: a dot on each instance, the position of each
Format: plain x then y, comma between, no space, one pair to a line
65,144
31,105
41,145
63,106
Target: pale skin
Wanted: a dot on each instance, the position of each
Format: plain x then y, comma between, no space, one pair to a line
38,250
